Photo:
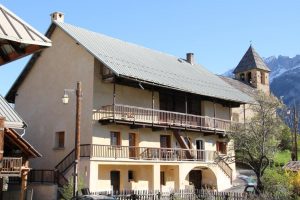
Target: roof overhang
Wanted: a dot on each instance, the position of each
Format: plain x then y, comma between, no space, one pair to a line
26,148
17,38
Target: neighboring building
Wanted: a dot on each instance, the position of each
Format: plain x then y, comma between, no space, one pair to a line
150,121
17,39
251,76
15,153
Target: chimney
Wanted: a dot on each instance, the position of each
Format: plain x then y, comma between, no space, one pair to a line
190,58
57,16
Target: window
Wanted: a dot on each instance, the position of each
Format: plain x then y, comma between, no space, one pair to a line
130,175
115,138
249,77
162,178
60,139
222,147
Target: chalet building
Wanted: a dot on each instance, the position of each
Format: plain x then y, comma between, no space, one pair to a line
150,121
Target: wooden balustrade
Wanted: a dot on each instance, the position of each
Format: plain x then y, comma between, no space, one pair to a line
160,117
151,153
11,166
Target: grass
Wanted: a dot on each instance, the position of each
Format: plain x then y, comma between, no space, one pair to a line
282,157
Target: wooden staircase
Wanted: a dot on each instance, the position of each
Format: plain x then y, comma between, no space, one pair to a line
224,166
182,143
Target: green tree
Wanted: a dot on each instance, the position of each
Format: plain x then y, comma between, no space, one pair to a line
257,140
286,139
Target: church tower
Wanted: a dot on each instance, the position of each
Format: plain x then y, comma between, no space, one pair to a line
253,71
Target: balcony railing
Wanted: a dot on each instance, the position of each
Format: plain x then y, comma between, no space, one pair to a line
160,117
148,153
11,166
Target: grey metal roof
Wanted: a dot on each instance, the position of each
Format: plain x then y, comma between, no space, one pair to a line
133,61
251,60
242,86
17,38
12,118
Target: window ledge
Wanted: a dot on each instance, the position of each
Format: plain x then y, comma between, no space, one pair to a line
59,148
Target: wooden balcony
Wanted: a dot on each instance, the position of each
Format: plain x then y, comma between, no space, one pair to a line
11,166
160,118
146,153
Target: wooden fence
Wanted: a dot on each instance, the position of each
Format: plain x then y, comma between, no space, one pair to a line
175,195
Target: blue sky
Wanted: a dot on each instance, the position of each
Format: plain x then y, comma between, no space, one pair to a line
218,32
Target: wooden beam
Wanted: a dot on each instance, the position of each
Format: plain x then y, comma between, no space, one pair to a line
154,129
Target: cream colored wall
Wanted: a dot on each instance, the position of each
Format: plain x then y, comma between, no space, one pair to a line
207,108
145,136
103,93
38,99
100,181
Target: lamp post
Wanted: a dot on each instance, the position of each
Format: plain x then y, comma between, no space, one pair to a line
65,100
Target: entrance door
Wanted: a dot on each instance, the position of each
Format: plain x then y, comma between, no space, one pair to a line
200,149
115,180
132,145
195,177
165,142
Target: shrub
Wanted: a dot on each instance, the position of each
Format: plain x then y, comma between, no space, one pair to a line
67,190
278,183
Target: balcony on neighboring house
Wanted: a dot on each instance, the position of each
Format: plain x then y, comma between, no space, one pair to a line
147,117
11,166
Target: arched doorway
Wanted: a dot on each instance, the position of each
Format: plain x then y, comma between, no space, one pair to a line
202,177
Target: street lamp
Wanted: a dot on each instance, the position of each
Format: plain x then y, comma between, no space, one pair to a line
65,100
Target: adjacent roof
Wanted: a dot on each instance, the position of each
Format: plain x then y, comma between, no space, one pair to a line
17,38
251,60
242,86
12,118
26,148
143,64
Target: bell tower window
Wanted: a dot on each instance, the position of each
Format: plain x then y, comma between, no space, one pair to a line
249,77
242,77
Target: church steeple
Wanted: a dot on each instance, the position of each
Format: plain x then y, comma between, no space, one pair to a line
252,70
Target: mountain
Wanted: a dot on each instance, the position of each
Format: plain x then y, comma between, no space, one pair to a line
284,77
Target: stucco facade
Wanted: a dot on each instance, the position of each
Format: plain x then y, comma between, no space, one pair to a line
38,100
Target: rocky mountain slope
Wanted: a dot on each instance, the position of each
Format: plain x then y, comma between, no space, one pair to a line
284,77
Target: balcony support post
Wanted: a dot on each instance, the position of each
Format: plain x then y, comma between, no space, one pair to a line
215,115
114,100
186,107
152,106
